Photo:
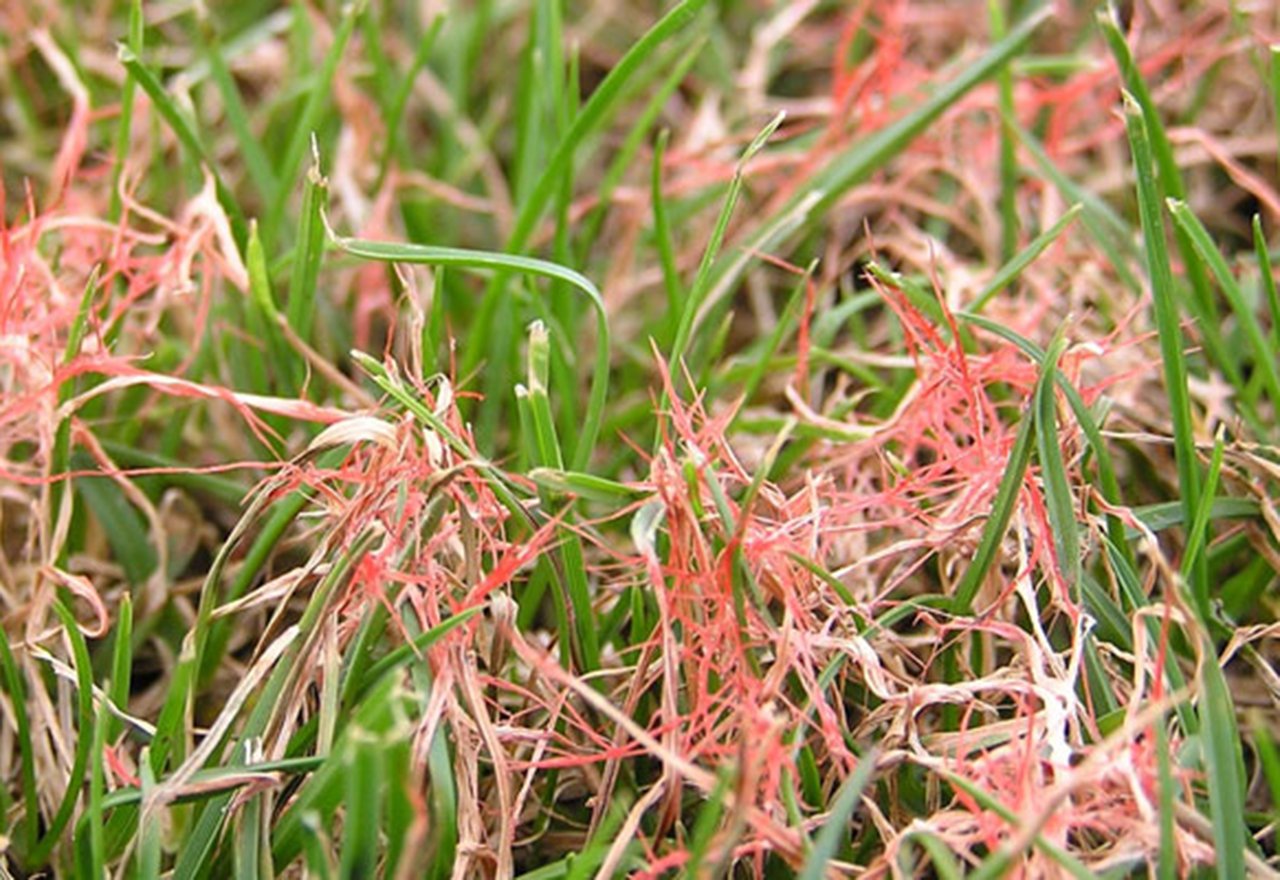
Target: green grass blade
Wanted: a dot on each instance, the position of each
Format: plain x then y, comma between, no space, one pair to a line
306,261
1013,267
16,689
943,860
185,130
781,332
1223,766
1053,472
248,841
546,453
263,316
212,486
704,827
1110,233
1268,759
85,727
625,158
1002,508
1164,302
1264,355
1170,175
604,101
149,832
824,190
237,116
1197,535
693,301
996,864
444,805
304,126
1008,157
124,127
401,99
852,167
316,848
121,663
126,532
474,260
1167,865
835,829
539,93
363,816
61,459
1274,82
1108,484
1268,279
663,242
1167,177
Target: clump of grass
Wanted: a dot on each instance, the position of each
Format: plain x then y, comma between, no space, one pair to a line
790,442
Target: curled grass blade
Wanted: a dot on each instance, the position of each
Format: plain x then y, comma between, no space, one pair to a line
474,260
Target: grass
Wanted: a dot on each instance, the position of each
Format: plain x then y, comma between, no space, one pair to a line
719,440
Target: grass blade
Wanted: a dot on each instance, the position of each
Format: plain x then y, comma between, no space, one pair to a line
306,261
363,816
1264,356
185,129
821,192
85,726
1053,472
304,127
1002,508
692,303
835,828
1164,302
1223,766
475,260
1014,266
1268,279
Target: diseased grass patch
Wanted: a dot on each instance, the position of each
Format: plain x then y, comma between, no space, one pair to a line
725,442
